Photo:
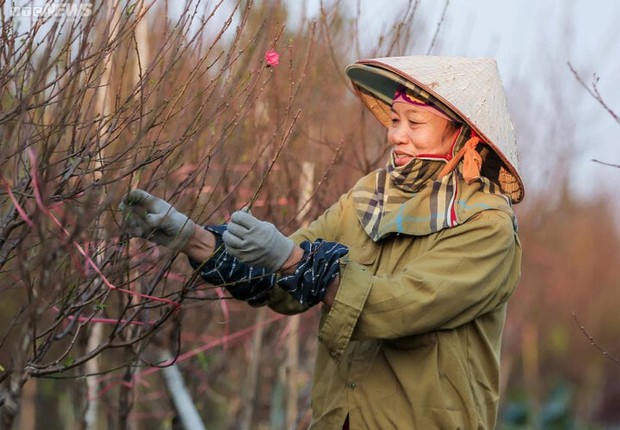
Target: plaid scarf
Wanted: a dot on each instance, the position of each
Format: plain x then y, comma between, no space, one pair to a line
411,200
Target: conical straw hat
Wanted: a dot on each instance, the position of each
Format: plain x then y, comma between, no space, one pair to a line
470,87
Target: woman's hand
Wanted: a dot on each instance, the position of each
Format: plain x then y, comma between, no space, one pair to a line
256,242
154,219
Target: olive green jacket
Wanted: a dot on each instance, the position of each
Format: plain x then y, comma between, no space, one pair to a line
412,340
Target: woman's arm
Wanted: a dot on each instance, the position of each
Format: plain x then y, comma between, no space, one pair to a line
292,262
201,245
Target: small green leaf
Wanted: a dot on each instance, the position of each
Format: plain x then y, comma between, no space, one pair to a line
1,368
68,361
131,8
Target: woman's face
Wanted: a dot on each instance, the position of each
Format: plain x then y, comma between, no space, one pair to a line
414,132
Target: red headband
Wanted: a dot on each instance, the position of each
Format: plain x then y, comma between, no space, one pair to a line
401,96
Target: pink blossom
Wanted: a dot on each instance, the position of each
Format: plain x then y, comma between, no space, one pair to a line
272,58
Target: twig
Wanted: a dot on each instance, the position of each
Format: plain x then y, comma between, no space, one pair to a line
593,342
274,159
439,24
606,164
594,92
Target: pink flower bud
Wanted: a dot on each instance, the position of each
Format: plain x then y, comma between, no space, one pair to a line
272,58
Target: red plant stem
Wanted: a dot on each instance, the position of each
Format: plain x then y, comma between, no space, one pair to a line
39,200
105,320
181,357
20,210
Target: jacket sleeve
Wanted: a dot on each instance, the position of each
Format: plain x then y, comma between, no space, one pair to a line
468,271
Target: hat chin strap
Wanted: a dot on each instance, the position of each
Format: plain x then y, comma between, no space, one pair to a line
472,161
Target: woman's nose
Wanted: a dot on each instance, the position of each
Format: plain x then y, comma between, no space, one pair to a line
397,135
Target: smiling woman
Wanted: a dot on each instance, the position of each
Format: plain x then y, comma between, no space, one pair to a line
419,130
413,267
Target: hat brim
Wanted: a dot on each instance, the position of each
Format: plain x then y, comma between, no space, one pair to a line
375,84
376,87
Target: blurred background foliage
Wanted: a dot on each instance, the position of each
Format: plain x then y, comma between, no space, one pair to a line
179,101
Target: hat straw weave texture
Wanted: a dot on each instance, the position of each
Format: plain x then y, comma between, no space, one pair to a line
471,88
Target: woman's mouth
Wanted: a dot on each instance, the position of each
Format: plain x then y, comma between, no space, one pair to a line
401,158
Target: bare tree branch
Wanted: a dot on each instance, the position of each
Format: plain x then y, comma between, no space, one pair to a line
592,89
592,341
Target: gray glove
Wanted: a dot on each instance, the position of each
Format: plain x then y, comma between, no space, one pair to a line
152,218
256,242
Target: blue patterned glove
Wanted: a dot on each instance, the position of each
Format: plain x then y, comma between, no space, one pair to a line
316,270
243,282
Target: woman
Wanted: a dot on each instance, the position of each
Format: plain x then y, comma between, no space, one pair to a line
414,265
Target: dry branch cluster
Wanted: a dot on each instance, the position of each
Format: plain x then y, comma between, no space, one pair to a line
179,102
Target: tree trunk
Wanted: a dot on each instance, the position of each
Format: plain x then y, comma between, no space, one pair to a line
28,414
249,394
92,367
292,345
180,396
292,365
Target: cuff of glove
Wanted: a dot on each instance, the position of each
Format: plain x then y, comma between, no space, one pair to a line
244,282
317,269
287,246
